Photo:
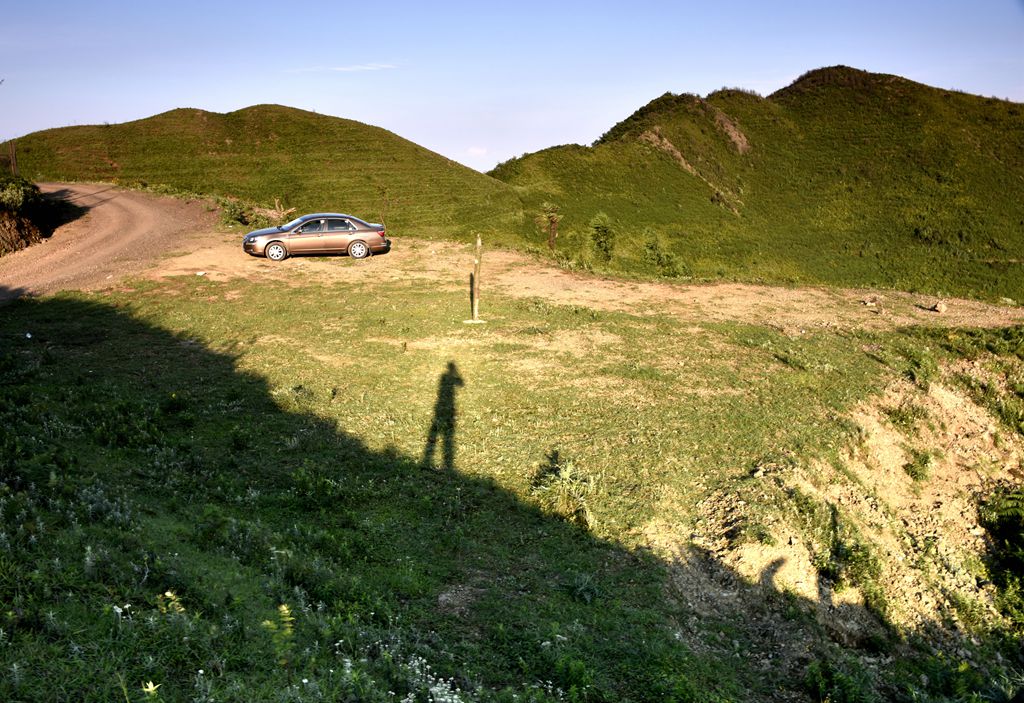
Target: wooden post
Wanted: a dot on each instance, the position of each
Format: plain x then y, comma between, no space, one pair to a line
476,280
474,284
14,158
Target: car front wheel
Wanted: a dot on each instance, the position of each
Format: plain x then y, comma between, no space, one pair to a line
277,252
358,250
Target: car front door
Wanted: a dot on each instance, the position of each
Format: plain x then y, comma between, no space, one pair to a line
307,237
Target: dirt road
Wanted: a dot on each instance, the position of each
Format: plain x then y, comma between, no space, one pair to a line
120,233
129,233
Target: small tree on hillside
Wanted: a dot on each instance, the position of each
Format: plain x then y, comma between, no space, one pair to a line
548,219
602,234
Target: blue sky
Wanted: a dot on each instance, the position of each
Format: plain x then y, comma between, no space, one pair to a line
476,83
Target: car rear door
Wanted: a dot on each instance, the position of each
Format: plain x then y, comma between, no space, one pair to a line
339,233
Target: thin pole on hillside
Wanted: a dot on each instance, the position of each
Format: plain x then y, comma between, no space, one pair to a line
14,157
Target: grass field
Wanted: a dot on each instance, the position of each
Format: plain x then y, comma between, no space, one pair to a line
248,490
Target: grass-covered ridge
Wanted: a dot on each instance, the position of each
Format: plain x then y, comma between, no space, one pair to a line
308,161
844,177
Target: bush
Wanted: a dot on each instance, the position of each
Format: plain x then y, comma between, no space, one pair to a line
839,683
17,195
602,235
23,208
564,489
664,262
238,212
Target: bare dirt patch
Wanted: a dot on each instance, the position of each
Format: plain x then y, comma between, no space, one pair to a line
129,233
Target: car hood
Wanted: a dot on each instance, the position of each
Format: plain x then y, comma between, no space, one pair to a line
265,230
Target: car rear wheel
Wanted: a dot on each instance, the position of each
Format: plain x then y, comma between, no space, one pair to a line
277,252
358,250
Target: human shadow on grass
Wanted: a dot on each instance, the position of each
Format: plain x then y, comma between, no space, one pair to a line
443,423
143,463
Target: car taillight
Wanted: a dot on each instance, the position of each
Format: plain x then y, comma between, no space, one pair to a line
381,233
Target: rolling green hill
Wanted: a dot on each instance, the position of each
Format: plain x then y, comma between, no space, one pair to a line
312,162
844,177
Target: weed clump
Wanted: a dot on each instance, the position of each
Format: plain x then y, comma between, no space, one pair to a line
1002,515
838,682
920,465
906,416
564,489
921,367
238,212
840,554
1008,407
20,205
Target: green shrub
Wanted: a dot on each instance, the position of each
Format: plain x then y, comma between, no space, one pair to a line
922,368
843,557
564,489
18,196
238,212
664,262
970,344
602,236
1002,514
1008,407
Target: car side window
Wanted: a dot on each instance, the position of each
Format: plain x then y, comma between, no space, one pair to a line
311,226
339,226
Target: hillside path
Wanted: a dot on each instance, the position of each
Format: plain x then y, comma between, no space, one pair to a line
129,233
120,233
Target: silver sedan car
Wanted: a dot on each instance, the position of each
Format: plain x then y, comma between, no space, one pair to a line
318,233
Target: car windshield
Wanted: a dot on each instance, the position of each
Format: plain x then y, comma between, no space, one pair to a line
294,223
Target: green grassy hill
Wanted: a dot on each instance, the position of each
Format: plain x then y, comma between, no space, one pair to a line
844,177
310,161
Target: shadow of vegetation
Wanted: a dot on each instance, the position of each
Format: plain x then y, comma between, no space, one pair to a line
172,471
8,294
57,208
